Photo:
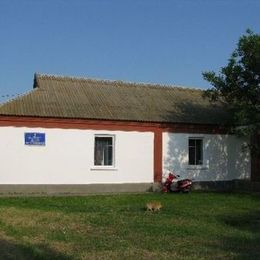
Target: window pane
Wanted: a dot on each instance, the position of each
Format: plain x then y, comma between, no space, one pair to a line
110,155
103,151
191,155
191,142
195,152
198,152
98,152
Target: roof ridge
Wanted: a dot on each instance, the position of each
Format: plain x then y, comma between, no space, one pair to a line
122,82
17,97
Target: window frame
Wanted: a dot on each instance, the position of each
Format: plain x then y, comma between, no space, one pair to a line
195,150
112,166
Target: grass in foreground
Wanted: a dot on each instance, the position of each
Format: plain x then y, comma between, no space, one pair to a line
190,226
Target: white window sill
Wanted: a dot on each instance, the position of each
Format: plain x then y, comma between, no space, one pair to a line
197,167
103,168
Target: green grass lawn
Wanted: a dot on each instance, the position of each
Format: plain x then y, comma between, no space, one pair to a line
190,226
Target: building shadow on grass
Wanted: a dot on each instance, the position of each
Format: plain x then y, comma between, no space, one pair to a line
246,245
247,222
11,250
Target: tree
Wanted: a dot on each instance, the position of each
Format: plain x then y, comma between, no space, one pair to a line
238,85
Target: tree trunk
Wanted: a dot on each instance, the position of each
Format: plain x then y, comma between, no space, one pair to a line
255,159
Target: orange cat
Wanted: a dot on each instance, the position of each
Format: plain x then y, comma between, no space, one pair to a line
153,206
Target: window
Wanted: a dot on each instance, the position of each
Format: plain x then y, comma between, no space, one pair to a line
195,151
104,151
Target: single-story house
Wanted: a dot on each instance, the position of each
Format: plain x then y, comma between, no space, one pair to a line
81,135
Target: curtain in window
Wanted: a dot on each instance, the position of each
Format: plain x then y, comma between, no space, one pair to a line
103,151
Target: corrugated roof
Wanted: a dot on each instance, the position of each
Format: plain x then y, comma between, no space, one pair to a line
68,97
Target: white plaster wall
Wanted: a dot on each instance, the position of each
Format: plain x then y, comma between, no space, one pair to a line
223,157
68,157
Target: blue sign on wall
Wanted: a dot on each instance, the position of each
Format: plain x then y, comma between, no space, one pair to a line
34,138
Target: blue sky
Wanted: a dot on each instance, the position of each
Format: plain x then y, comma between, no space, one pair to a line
167,42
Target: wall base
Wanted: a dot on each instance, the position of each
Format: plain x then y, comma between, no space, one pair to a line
72,189
233,185
85,189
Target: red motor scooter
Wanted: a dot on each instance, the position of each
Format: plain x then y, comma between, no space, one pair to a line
176,186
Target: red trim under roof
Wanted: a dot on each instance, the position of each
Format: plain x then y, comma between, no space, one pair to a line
44,122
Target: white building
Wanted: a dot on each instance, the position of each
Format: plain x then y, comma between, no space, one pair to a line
75,135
